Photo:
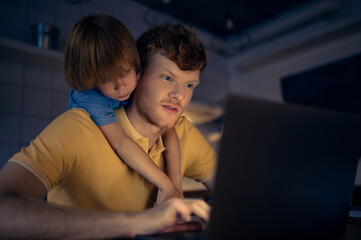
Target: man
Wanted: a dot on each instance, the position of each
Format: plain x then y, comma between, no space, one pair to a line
92,178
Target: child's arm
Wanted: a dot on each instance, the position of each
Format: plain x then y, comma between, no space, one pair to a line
173,159
133,155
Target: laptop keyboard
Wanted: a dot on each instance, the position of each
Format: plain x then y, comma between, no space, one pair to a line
186,235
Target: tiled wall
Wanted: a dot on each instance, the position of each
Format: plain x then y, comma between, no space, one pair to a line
30,97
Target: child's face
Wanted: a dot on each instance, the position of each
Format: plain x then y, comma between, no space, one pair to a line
121,88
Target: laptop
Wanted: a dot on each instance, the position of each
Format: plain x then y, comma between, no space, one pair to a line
284,172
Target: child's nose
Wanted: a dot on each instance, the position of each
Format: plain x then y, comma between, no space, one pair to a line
119,84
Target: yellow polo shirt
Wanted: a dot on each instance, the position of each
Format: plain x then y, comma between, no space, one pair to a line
80,169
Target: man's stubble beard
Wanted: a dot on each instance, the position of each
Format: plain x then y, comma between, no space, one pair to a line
148,112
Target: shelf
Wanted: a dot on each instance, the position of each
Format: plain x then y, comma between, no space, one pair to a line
25,53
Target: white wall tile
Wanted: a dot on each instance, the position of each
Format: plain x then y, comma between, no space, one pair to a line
11,72
213,81
10,128
59,83
38,77
64,26
10,98
31,128
60,104
37,102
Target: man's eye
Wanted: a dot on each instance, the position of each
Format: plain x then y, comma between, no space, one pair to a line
167,78
189,85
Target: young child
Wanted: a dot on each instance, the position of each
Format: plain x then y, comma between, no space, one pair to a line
101,65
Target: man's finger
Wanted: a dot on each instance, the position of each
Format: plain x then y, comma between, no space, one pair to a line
199,208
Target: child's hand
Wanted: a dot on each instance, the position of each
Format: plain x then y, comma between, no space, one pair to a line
166,194
179,189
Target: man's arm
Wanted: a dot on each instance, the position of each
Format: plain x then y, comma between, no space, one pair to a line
210,183
199,157
24,213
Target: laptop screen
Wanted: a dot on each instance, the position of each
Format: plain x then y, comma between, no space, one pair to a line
285,171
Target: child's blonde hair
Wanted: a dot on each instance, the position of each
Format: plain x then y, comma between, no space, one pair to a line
99,49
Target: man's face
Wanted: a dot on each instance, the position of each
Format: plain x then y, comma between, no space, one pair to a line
164,91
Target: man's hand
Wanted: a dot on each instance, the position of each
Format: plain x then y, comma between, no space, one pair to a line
164,218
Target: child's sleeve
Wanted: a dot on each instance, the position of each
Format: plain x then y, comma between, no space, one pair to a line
98,106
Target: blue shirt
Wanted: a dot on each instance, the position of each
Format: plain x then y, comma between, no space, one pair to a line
100,107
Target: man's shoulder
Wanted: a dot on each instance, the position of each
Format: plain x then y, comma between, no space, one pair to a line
185,127
75,113
183,123
76,116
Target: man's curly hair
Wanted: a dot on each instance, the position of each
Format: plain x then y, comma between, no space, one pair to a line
179,44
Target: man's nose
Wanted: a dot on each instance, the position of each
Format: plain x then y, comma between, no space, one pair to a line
178,92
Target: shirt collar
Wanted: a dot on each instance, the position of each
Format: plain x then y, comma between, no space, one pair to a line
136,136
